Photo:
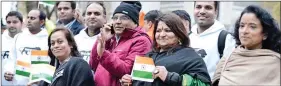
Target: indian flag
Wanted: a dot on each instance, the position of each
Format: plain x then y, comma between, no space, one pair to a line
23,68
143,69
50,3
39,57
42,72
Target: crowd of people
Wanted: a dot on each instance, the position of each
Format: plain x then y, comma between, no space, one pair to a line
87,50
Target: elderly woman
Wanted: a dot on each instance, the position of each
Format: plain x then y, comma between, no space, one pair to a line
71,69
176,63
256,61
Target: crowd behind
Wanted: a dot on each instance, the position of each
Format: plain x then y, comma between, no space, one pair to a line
90,51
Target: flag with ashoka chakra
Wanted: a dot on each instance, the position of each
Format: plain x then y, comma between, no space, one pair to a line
23,69
40,57
143,69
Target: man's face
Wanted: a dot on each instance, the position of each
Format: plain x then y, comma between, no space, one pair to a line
95,18
120,22
33,21
64,11
14,25
204,13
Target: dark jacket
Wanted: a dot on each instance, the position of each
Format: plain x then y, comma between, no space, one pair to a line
177,61
75,28
75,72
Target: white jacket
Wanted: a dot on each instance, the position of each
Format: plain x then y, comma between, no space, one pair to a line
85,43
21,47
208,40
6,46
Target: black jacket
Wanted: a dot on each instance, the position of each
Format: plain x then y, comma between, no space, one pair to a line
75,72
178,61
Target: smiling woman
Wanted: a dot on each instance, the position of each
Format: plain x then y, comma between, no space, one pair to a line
176,63
71,69
258,55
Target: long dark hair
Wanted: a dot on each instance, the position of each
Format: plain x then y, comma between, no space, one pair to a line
269,26
176,26
70,39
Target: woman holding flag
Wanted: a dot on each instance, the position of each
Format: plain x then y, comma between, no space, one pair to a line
71,69
176,63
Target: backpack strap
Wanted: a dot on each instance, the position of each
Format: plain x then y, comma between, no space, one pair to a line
221,42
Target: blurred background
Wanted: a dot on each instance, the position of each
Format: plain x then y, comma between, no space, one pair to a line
228,11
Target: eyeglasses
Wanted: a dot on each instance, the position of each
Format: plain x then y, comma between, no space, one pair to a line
122,18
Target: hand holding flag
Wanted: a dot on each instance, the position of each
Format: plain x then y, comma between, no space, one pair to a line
161,72
143,69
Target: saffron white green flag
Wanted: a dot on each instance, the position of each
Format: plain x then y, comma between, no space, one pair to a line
50,3
143,69
23,69
40,57
42,72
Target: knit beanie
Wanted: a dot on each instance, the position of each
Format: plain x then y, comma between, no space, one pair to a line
129,10
136,4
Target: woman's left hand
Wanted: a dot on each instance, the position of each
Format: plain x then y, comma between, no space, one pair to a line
161,72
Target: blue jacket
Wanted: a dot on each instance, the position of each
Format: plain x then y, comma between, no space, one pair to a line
75,28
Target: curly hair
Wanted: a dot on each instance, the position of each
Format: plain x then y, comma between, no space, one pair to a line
269,25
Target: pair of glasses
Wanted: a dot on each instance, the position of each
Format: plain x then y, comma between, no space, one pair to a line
121,18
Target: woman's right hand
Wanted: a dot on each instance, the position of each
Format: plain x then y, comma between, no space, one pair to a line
9,76
126,80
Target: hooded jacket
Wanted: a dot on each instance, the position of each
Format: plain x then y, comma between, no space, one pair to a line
208,41
118,58
21,48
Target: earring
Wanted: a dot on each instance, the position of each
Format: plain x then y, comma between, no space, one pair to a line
180,42
264,38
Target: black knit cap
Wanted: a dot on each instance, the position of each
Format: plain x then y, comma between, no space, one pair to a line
136,4
130,10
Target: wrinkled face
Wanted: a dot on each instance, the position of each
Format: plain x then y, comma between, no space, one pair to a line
120,22
14,25
60,46
204,13
164,36
95,18
33,21
64,11
251,31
